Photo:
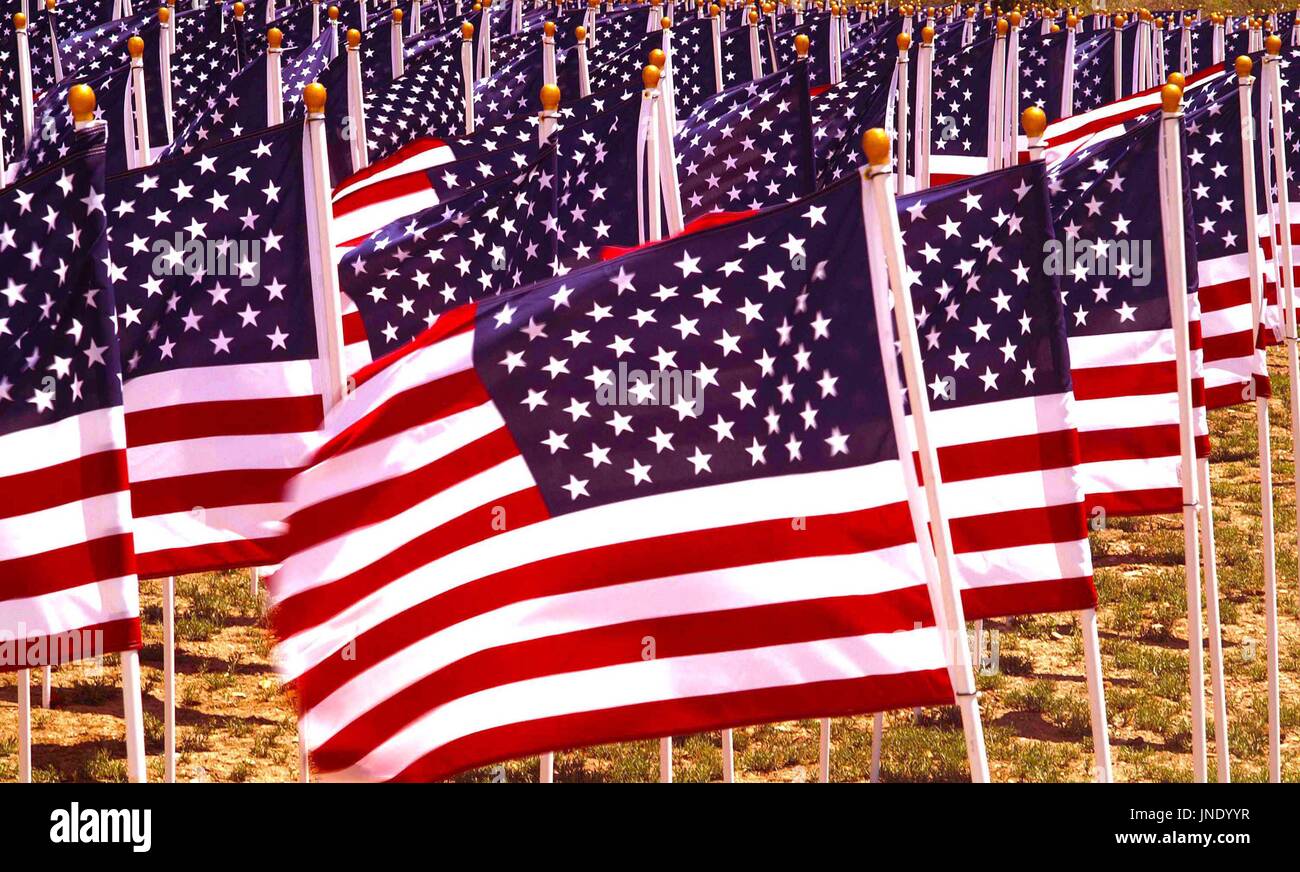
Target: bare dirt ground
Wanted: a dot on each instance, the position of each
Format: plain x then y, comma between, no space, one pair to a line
236,724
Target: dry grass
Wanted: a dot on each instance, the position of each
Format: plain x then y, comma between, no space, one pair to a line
235,724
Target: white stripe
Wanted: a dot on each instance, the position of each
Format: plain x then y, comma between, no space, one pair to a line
221,453
1001,566
208,526
47,445
366,220
204,384
1119,476
1002,419
645,681
1009,493
425,160
444,358
65,525
395,455
789,496
72,609
1116,349
697,593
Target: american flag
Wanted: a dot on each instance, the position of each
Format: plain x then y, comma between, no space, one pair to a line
1094,70
1042,70
737,56
56,133
237,106
960,98
490,239
213,282
657,567
1122,355
691,59
748,147
67,566
995,360
103,46
427,100
841,114
1234,364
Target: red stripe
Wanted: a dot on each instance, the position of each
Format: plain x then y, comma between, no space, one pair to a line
1135,443
683,716
382,192
1224,295
354,328
1034,452
211,557
1013,529
106,638
67,567
411,408
1153,501
1224,396
1230,346
598,647
384,499
209,490
589,569
317,605
78,479
223,418
406,152
1132,380
1029,598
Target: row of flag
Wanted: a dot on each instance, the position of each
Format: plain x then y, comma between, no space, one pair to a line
655,411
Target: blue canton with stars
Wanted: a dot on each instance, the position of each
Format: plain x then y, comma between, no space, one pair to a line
242,202
770,318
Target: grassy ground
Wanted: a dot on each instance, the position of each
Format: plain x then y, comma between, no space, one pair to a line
235,724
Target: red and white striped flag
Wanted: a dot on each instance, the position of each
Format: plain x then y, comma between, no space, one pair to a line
67,565
516,539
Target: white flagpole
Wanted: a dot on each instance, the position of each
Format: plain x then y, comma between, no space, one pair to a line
1245,81
356,104
666,124
1117,58
924,107
997,74
274,78
25,97
1216,44
47,675
667,81
904,43
485,42
584,78
467,72
1034,121
325,292
135,47
416,24
1067,82
824,746
332,14
165,63
1272,98
169,677
728,757
940,567
1222,756
315,20
397,55
877,739
1176,285
546,768
716,31
24,726
548,53
1011,93
755,56
56,57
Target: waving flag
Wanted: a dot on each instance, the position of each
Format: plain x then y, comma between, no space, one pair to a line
490,239
755,540
214,287
67,566
1106,209
748,147
995,359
